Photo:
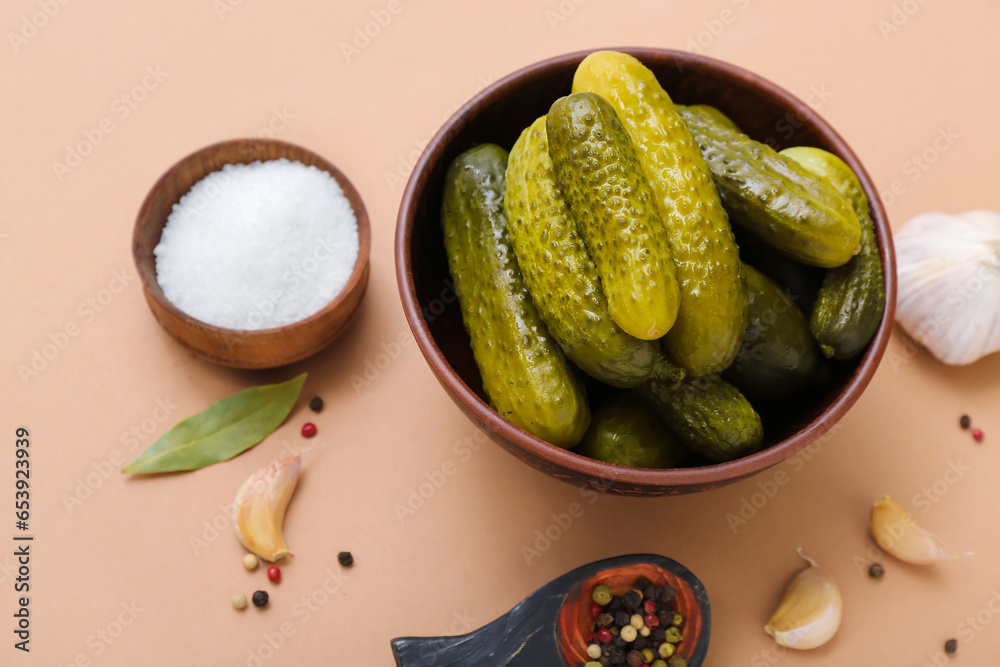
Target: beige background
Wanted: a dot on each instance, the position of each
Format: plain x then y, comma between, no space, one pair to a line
457,561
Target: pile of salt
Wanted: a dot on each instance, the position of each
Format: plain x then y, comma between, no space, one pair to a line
258,246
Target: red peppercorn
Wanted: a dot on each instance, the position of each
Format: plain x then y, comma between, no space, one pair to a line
604,635
274,574
651,621
595,611
977,434
649,606
308,430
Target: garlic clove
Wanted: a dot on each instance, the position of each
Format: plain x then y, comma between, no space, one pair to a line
897,532
809,613
948,268
259,510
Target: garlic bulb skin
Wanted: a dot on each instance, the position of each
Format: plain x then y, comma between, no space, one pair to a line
949,284
810,612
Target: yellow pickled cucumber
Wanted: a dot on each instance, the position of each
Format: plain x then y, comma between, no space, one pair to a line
713,300
615,213
559,272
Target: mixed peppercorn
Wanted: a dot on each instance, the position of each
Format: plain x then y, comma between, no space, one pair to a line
637,629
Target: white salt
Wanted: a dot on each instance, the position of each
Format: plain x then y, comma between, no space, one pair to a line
258,246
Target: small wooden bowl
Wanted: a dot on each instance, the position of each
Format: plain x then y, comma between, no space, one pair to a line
261,348
498,114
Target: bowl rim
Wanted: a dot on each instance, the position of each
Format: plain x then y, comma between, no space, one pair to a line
148,274
702,476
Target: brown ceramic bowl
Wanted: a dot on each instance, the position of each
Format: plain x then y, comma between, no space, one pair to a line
498,114
261,348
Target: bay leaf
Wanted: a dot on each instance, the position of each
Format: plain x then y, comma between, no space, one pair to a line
227,428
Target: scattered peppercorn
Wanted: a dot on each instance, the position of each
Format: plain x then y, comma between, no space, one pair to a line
595,610
316,404
977,434
594,651
239,601
274,574
345,558
634,659
308,430
951,646
260,598
965,422
677,661
876,571
250,562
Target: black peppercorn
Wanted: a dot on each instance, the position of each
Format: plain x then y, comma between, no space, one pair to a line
965,421
260,598
951,646
345,558
658,634
316,404
635,659
604,621
642,583
665,594
876,571
619,642
633,599
621,618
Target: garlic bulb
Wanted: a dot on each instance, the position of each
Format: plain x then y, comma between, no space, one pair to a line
259,511
896,531
810,611
949,292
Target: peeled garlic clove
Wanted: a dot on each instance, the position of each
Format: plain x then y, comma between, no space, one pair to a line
949,293
898,533
810,611
259,510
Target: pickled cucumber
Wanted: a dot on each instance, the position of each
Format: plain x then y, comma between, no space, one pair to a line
627,432
525,375
779,355
714,114
851,300
709,415
713,300
560,274
777,198
615,213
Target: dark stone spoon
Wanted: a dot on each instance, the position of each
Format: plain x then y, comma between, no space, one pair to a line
551,626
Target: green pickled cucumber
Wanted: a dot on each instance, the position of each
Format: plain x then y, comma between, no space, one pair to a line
627,432
779,355
851,300
615,213
709,415
777,198
560,274
714,114
713,299
525,375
